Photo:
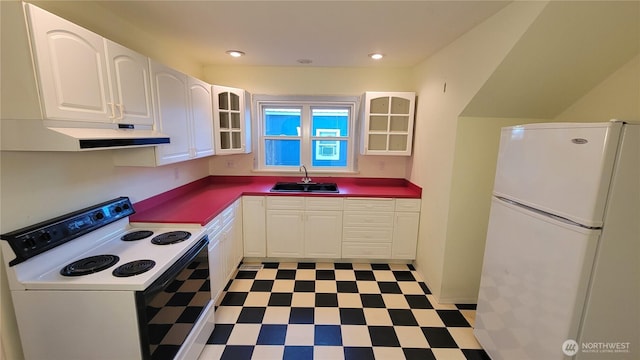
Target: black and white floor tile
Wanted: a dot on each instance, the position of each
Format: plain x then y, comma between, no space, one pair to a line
338,311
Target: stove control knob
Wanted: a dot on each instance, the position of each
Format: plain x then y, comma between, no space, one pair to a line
44,237
99,215
29,243
118,209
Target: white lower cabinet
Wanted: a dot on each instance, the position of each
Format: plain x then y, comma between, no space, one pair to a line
227,250
254,227
366,250
225,246
304,227
405,235
330,227
236,233
285,233
368,228
405,229
322,234
216,266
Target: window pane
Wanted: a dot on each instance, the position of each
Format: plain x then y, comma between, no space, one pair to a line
329,153
282,122
282,152
330,122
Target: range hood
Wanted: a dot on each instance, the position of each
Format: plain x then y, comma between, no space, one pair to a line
43,135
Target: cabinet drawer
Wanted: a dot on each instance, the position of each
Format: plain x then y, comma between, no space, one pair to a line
227,214
359,204
363,235
285,203
214,226
366,250
369,219
407,204
323,203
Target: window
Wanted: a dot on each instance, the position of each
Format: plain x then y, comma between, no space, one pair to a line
315,132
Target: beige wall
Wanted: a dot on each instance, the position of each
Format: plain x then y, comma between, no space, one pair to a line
463,66
303,80
617,97
36,186
474,166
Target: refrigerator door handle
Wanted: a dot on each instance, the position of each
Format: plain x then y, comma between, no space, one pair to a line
544,213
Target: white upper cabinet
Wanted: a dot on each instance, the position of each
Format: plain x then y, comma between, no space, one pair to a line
201,118
84,77
231,117
171,95
72,69
387,123
130,85
183,111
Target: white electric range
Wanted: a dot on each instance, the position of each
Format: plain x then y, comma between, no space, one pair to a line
91,285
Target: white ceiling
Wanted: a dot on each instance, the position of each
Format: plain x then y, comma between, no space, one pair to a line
278,33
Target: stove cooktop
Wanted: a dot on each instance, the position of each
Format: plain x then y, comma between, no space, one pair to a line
125,253
82,249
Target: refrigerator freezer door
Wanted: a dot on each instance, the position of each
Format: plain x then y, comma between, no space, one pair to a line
533,285
563,169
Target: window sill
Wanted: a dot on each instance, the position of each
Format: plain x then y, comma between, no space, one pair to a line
311,174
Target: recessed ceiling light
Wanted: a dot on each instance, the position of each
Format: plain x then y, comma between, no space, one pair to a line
235,53
376,56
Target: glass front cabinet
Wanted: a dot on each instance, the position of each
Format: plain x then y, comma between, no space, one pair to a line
232,120
388,123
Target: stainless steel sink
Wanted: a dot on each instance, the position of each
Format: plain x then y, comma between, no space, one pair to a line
305,187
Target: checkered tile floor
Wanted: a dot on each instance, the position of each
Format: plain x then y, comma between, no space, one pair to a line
338,311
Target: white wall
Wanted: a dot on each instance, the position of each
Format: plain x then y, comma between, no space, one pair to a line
463,66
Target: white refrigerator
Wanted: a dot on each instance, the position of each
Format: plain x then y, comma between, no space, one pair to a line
560,277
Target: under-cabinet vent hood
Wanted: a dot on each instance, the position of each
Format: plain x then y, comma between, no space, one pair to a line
39,135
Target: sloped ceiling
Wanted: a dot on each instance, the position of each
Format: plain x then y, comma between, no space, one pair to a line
569,49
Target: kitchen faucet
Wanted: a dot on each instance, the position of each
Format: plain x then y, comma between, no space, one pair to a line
306,178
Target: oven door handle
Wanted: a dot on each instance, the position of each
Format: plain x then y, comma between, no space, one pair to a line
171,273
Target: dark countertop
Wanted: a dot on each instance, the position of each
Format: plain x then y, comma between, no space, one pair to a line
201,201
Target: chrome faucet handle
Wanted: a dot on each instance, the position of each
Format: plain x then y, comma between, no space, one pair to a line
306,178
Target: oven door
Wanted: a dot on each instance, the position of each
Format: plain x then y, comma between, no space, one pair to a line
175,305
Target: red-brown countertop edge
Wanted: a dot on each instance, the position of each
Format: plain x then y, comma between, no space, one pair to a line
236,186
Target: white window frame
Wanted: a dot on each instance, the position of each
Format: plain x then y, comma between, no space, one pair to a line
306,104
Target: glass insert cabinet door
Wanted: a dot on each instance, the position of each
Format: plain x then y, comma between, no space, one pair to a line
229,120
388,123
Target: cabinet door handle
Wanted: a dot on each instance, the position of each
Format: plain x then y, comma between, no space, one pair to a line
113,110
121,108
